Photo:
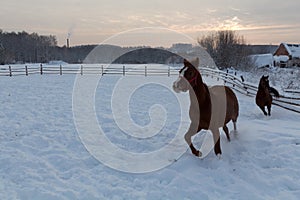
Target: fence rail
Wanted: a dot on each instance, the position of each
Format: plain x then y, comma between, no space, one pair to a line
86,69
288,102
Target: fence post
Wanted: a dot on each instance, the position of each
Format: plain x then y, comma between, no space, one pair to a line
234,76
41,69
81,70
101,70
123,70
242,78
26,70
145,70
168,71
234,79
226,76
60,70
10,72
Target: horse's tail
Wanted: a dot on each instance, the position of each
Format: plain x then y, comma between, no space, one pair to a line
274,91
236,112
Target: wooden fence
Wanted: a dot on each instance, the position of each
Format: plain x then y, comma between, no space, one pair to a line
88,69
291,103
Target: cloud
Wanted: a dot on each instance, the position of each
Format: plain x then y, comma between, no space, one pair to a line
211,10
111,17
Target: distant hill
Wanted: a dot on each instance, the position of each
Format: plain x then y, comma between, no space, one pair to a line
143,55
262,49
149,55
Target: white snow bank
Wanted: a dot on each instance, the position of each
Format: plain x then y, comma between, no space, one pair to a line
57,62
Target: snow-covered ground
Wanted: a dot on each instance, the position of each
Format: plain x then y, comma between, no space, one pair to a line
281,78
42,156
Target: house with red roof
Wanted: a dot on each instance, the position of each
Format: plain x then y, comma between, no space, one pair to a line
287,55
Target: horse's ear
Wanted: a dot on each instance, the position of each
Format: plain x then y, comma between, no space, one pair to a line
195,62
267,77
186,62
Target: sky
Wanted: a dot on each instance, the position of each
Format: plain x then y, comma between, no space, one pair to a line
152,22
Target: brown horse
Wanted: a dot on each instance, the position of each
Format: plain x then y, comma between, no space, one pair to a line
263,96
210,108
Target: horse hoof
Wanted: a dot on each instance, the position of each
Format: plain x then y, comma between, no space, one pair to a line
198,153
219,156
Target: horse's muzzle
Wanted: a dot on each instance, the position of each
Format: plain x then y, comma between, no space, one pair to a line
177,86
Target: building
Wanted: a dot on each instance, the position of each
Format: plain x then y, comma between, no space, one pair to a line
262,60
290,51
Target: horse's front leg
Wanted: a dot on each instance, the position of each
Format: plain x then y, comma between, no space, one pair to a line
188,138
263,109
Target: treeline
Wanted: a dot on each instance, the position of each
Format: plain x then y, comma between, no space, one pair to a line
226,48
24,47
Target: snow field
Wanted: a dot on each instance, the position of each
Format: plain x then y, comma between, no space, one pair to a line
42,157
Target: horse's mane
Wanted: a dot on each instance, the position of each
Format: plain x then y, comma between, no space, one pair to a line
206,89
274,91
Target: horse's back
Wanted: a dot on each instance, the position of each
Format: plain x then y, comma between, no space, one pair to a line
225,101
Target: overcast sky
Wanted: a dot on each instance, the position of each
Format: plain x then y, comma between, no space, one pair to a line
94,21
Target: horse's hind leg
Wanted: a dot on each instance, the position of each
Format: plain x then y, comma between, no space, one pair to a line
234,126
225,128
269,109
263,109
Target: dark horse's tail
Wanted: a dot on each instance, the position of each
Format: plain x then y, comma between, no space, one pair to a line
274,91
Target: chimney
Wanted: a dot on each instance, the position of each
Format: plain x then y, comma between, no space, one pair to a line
68,43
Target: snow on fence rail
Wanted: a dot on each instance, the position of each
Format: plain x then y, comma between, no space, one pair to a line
236,83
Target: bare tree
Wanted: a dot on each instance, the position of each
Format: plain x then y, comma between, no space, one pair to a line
227,48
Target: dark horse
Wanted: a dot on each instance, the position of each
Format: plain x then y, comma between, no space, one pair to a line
210,108
263,95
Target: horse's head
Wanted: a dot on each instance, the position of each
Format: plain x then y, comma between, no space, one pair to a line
188,76
264,82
